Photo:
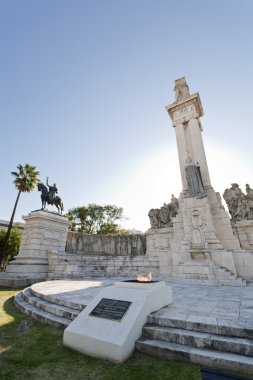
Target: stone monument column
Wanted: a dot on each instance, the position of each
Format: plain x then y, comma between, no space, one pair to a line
185,113
202,224
44,231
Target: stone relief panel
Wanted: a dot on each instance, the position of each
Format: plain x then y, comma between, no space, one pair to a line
118,245
196,223
162,217
240,205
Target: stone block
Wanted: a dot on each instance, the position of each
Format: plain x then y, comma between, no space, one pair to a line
33,255
106,338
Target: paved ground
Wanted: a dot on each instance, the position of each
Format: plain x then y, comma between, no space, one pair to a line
191,302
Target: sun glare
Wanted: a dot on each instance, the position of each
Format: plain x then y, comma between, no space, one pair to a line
153,183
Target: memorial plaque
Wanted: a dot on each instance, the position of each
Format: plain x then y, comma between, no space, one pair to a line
111,309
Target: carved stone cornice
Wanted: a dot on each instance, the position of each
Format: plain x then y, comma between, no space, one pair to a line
185,110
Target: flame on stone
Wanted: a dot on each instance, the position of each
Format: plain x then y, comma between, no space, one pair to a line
142,278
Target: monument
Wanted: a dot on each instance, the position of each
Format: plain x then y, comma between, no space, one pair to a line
191,237
48,196
45,232
200,228
204,222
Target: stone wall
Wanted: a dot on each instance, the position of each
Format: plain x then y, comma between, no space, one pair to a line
244,264
114,245
159,240
243,229
81,265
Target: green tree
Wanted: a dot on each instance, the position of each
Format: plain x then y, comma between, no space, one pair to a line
13,244
96,219
25,179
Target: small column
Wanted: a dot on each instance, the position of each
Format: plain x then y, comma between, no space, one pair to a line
44,231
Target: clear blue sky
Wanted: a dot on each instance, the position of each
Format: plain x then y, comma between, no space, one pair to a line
83,85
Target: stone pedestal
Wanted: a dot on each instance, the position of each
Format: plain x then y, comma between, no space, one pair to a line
44,231
206,225
244,230
159,240
112,322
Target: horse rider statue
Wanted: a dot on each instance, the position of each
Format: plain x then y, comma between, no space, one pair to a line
52,190
48,196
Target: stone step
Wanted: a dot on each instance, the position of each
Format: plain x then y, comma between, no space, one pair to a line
40,315
176,278
227,279
61,311
17,281
232,282
239,346
222,270
208,271
194,276
52,298
225,275
206,325
204,357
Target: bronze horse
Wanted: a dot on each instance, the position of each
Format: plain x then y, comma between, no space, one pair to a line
45,198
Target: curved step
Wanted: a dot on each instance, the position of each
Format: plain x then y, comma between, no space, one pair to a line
58,301
210,358
40,315
239,346
61,311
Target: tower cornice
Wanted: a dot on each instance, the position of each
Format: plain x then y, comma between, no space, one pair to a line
184,110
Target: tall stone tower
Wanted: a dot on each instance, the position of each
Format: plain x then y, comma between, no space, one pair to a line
185,114
202,225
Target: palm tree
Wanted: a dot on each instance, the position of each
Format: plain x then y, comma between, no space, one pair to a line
25,180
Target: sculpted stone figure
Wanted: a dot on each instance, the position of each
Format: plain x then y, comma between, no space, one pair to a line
174,203
181,89
197,240
162,217
232,197
154,217
249,196
236,192
249,191
240,206
242,211
194,180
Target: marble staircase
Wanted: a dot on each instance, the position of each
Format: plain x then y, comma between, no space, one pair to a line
207,272
224,346
178,332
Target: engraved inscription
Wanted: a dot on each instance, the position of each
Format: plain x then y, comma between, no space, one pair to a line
110,309
186,110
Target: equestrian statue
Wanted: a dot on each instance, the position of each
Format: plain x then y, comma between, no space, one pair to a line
48,196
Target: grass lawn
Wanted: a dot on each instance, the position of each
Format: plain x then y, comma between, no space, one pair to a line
38,353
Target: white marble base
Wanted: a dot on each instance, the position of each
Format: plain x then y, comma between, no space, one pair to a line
44,231
115,340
